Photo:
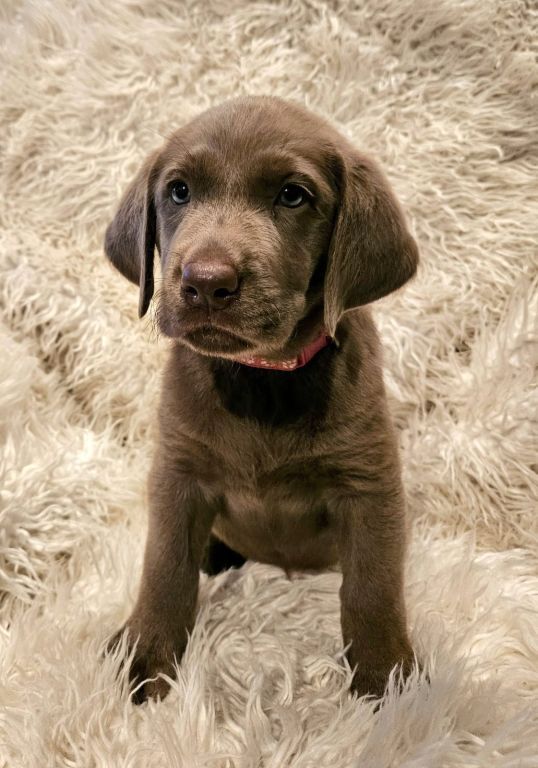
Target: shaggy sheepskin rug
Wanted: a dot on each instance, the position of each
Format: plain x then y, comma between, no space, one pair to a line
443,93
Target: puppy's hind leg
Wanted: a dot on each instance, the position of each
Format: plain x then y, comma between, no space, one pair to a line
220,557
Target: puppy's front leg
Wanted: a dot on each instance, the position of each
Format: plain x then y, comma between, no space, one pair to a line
372,547
180,519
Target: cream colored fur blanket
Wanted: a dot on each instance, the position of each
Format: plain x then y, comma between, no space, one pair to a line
444,94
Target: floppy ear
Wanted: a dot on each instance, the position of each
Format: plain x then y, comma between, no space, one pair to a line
130,237
371,253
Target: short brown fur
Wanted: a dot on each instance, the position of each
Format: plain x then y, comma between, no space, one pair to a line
299,469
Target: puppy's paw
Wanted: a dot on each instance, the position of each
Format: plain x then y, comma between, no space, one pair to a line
151,657
372,679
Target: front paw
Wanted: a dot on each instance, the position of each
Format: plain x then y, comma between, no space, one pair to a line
152,655
371,677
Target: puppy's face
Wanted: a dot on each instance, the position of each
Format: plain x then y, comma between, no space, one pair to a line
244,211
263,216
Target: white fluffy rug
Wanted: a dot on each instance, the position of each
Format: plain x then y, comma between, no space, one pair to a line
443,92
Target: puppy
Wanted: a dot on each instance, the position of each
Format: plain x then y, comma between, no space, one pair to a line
275,444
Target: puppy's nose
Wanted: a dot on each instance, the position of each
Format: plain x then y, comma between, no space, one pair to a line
209,284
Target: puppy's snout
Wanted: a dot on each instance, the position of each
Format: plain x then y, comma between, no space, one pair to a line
210,284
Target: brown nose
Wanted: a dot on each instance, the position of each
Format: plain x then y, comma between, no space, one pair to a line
209,284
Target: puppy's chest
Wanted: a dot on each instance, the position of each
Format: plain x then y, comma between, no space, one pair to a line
279,518
270,509
277,500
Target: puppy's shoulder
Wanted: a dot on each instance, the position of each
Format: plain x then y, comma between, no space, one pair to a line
362,332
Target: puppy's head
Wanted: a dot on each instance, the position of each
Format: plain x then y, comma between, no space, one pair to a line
263,216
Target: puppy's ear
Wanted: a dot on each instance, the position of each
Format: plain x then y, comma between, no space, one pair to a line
371,253
130,237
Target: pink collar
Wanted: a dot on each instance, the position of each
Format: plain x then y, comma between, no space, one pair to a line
304,356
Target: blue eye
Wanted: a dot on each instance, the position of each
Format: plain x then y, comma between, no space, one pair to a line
292,196
180,193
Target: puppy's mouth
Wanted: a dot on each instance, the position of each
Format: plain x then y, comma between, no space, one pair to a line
212,340
221,334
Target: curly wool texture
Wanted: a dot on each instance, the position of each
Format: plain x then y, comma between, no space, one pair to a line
444,94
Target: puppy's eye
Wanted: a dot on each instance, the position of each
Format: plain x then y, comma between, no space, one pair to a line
292,196
180,193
